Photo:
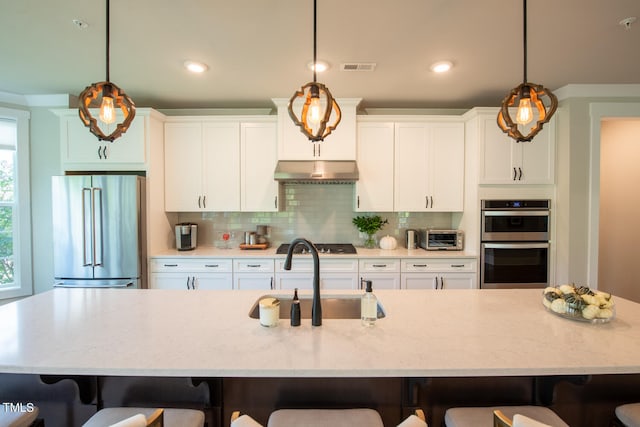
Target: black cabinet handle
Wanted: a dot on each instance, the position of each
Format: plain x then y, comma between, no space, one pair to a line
212,265
431,199
358,202
199,201
379,265
520,176
457,265
515,174
271,283
170,265
275,202
204,202
419,265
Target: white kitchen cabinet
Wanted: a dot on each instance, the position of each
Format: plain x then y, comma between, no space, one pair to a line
81,150
335,273
202,166
429,167
505,161
374,188
253,273
384,273
258,153
339,145
443,273
191,274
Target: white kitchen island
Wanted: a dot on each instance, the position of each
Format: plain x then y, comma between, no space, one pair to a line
426,333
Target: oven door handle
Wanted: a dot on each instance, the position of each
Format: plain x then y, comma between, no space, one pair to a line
515,245
516,213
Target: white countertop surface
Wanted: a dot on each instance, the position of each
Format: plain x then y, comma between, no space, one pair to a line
208,333
210,251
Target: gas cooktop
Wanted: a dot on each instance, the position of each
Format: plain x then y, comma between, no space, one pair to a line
323,248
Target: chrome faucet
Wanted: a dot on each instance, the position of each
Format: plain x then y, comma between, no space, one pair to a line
316,307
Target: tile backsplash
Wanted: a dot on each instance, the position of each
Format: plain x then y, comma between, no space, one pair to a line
321,213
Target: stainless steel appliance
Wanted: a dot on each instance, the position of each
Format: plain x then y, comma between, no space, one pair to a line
99,231
186,236
514,244
442,240
412,239
322,248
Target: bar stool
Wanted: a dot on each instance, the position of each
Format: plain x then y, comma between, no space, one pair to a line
629,414
484,416
326,417
18,419
171,417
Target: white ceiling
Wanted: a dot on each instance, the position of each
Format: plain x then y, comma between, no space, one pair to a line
259,49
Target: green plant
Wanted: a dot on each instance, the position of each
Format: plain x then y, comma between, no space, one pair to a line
369,224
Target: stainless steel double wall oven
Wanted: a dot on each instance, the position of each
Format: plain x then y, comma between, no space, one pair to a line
515,244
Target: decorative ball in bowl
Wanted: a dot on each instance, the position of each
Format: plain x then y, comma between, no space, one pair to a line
579,303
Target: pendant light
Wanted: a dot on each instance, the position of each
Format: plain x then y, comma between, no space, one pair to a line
110,98
530,99
318,107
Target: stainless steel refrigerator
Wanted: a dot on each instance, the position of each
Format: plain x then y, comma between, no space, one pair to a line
99,232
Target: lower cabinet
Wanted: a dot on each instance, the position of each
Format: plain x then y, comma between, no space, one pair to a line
335,273
426,273
191,274
384,273
254,273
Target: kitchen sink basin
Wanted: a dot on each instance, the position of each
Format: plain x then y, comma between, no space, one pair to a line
333,307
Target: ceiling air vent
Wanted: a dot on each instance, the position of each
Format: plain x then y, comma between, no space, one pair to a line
358,66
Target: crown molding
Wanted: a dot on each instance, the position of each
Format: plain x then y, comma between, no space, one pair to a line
598,91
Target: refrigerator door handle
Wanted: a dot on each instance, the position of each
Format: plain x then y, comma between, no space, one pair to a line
97,226
87,232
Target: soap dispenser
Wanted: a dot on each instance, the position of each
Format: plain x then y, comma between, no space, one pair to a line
368,306
295,309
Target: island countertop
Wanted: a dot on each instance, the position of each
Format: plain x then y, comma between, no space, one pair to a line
426,333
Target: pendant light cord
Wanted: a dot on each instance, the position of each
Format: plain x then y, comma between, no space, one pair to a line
315,63
108,41
524,38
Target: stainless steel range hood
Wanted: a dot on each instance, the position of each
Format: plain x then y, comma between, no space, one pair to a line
316,171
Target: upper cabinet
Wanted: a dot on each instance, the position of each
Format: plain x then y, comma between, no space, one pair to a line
81,150
220,164
429,166
505,161
339,145
374,188
258,152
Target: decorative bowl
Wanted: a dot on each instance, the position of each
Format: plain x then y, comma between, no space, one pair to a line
579,303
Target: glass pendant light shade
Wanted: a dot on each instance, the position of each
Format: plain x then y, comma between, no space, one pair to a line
314,110
109,98
530,102
529,99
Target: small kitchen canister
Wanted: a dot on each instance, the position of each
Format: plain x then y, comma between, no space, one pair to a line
269,311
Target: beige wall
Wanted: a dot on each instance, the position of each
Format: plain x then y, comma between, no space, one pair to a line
619,207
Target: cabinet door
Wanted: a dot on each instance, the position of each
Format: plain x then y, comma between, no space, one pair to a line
374,188
418,280
538,157
243,281
446,167
381,280
294,280
410,186
170,281
183,167
258,151
221,166
339,281
213,281
499,154
457,281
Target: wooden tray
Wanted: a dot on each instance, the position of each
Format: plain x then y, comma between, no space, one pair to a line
256,246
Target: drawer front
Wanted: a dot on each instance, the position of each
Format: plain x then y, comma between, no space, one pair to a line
256,265
440,265
327,265
194,265
379,265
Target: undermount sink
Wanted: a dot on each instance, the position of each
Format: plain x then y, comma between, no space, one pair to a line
333,307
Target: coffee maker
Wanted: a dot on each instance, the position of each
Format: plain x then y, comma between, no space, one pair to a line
186,236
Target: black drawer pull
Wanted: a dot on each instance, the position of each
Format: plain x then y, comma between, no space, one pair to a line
212,265
254,265
379,265
170,265
419,265
457,265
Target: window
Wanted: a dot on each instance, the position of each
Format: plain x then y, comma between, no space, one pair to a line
15,216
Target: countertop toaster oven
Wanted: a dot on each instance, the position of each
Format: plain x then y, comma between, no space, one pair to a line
442,240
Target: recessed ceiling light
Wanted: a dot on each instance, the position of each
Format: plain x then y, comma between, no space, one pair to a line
441,66
195,66
320,66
